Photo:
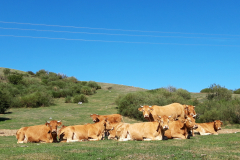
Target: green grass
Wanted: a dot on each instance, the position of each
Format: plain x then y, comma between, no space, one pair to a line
225,146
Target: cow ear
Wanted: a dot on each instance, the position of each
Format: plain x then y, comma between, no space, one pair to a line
59,123
47,123
194,106
140,109
91,115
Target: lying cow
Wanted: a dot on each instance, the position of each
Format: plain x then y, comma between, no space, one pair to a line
190,111
41,133
209,128
144,131
151,113
91,132
118,130
179,129
111,118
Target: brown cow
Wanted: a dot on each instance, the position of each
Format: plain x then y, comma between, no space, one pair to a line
144,131
179,129
111,118
190,111
176,110
209,128
91,132
118,129
41,133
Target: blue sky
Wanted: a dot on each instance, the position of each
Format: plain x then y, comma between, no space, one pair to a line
148,44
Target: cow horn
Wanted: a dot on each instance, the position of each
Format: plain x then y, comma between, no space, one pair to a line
150,106
96,114
59,121
48,122
221,121
91,114
194,106
169,116
159,116
142,106
194,115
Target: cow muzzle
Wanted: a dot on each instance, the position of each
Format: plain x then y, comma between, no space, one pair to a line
146,115
195,126
219,128
165,127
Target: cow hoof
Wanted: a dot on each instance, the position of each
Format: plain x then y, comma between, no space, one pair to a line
165,138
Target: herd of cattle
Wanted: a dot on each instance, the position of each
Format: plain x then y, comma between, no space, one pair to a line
173,121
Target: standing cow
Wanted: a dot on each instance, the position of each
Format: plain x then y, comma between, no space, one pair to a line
151,113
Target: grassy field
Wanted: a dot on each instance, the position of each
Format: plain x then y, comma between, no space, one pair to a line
223,146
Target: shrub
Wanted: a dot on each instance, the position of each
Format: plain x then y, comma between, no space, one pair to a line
15,78
41,72
183,93
31,73
219,93
237,91
4,101
68,99
205,90
86,90
80,98
6,71
92,84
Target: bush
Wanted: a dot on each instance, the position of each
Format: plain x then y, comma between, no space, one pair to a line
183,93
237,91
4,101
15,78
31,73
80,98
6,71
68,99
219,93
86,90
92,84
205,90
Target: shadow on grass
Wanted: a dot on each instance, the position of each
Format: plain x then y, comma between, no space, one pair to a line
4,119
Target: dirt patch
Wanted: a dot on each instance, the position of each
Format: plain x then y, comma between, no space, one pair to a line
8,132
225,131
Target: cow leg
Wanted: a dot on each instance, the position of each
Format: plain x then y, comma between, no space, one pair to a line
21,138
215,133
25,139
193,133
204,134
178,136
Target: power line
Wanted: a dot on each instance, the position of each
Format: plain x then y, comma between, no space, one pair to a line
119,41
109,33
113,29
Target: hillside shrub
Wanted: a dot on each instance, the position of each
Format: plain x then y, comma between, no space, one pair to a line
4,101
205,90
219,93
6,71
86,90
80,98
31,73
92,84
41,72
15,78
237,91
68,99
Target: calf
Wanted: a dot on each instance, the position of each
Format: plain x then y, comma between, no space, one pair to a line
179,129
209,128
91,132
190,111
41,133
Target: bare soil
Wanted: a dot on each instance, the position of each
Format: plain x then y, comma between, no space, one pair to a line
9,132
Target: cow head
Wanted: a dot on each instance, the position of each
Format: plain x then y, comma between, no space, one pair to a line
62,135
147,110
190,111
217,125
108,125
190,123
53,125
94,117
112,134
164,121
